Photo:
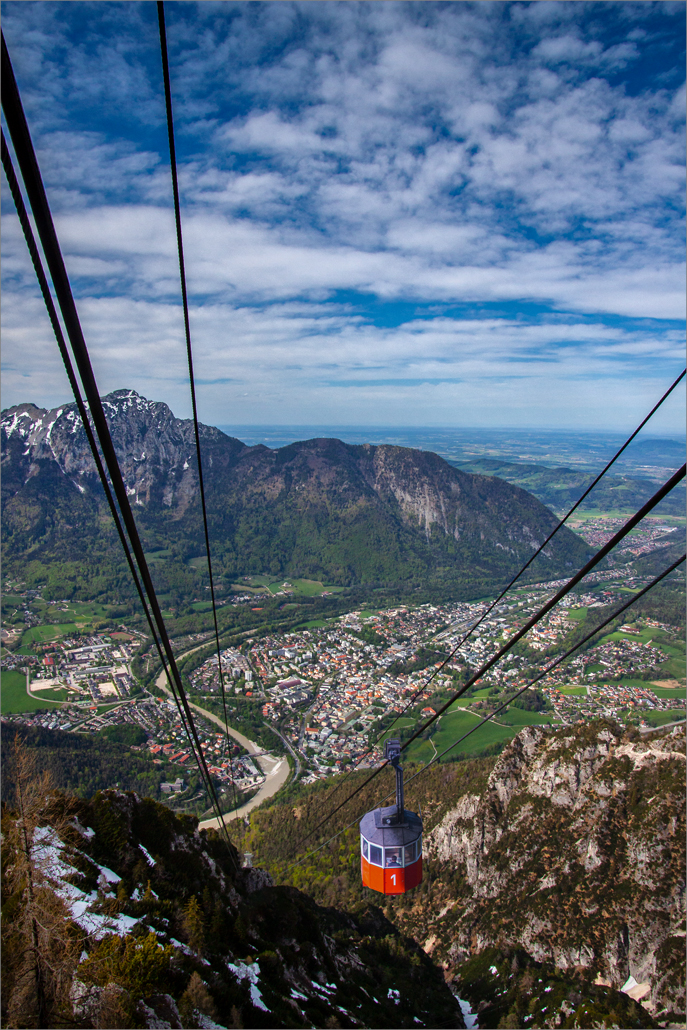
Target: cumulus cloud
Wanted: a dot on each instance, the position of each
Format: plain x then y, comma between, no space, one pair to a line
445,156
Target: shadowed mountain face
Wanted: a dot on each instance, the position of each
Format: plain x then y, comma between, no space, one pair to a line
320,508
180,937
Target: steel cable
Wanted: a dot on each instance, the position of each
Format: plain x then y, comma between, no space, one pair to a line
189,352
662,492
33,182
506,704
59,336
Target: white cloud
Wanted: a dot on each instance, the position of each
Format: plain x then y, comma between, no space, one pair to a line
317,361
438,154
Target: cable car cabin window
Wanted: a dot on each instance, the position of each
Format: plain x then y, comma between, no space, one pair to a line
375,855
365,848
393,857
413,851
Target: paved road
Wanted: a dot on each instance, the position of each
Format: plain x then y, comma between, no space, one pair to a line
276,770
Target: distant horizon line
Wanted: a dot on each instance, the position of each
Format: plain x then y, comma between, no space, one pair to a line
360,426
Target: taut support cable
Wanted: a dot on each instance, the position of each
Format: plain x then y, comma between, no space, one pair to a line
662,492
189,351
546,671
28,164
59,336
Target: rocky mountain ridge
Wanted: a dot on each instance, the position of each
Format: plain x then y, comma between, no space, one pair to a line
316,508
574,854
152,924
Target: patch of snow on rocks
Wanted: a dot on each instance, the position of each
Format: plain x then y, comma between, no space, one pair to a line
250,973
469,1016
148,857
107,875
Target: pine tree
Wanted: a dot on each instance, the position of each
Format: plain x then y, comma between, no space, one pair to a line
194,925
196,998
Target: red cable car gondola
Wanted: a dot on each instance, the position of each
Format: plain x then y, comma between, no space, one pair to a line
391,840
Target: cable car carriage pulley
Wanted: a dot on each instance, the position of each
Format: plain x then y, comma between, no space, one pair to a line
391,840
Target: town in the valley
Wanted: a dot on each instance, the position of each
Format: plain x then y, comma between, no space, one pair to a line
329,691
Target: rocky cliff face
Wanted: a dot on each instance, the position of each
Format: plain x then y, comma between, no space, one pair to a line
320,507
156,451
575,854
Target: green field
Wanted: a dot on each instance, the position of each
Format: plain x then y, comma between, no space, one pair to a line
202,606
667,691
200,561
661,718
160,555
52,694
13,696
313,624
85,610
454,726
674,669
305,587
578,614
573,691
519,717
41,634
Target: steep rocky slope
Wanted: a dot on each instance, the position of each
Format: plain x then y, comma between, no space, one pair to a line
320,508
560,864
143,921
574,853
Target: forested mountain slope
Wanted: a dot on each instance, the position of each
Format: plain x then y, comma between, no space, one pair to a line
79,763
321,508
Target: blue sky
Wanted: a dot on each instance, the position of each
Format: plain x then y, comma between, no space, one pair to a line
394,213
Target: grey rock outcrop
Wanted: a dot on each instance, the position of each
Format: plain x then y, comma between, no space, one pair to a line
574,853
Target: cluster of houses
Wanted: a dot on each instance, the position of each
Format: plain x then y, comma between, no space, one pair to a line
616,658
168,743
94,670
612,700
650,536
235,667
326,688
